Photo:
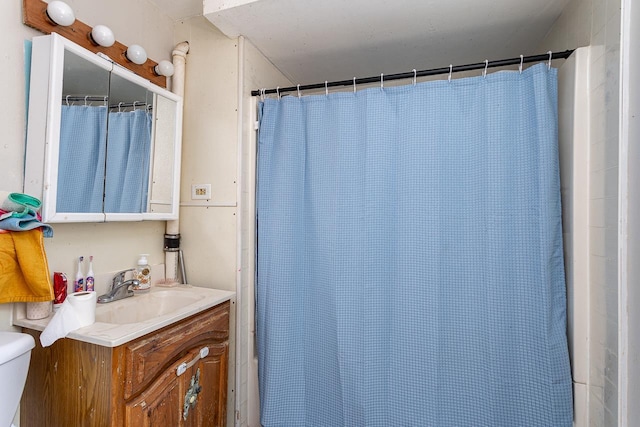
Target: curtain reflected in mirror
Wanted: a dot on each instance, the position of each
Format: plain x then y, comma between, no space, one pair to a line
128,156
83,130
85,183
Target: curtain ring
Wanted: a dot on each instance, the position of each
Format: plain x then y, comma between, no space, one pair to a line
521,62
104,100
85,100
278,91
326,88
120,105
298,91
486,65
381,81
262,94
415,76
354,85
549,64
450,71
67,98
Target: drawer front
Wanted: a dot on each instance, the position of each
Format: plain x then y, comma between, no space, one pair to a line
149,356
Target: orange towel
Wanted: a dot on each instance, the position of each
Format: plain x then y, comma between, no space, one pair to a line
24,272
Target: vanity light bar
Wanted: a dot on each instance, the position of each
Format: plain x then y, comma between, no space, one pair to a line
35,16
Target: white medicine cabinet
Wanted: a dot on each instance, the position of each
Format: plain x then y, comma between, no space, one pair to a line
103,144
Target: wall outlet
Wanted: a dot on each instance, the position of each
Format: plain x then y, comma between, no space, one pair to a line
201,192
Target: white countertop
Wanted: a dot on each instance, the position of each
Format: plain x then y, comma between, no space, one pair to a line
114,334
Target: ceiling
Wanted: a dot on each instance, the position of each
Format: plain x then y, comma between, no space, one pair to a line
311,41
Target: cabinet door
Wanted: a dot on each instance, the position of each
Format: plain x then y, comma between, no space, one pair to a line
160,404
210,408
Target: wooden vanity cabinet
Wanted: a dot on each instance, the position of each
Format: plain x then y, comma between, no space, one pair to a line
164,401
141,383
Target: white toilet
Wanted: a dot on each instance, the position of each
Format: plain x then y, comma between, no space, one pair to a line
15,353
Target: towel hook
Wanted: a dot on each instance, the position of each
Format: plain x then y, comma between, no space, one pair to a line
549,64
381,81
354,85
450,71
486,65
415,76
67,98
298,91
521,62
326,88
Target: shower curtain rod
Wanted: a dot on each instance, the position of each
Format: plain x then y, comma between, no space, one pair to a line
432,72
133,104
85,98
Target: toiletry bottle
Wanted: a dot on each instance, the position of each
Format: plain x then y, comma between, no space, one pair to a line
59,289
78,284
89,281
143,274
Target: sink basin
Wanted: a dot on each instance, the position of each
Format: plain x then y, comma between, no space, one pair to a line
121,321
143,307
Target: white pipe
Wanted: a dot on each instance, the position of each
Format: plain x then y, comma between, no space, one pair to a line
179,66
177,86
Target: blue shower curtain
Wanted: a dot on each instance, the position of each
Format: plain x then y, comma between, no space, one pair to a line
410,268
81,161
128,148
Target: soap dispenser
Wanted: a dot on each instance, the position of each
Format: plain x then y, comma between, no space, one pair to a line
143,274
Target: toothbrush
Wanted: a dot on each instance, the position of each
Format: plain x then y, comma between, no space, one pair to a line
89,280
78,284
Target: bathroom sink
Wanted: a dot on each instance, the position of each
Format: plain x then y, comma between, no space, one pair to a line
121,321
145,307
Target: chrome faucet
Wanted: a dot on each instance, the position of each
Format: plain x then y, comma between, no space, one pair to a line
119,287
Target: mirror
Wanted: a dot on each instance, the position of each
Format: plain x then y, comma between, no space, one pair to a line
103,144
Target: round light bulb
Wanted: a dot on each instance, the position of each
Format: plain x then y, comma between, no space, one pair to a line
102,35
60,13
164,68
136,54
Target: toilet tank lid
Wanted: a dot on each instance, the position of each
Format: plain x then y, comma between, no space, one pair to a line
14,344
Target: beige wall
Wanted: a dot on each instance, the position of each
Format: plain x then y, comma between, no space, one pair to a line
597,23
209,153
114,246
